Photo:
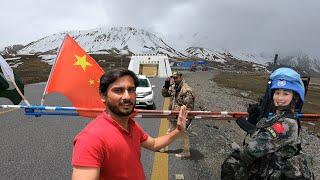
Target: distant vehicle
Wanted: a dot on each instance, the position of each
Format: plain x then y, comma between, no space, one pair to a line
145,93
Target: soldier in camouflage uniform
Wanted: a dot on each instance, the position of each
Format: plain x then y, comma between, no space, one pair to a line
274,151
181,94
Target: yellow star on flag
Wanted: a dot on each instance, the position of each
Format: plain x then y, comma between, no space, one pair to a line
91,81
82,61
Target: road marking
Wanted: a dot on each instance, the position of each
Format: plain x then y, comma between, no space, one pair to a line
179,176
160,163
4,112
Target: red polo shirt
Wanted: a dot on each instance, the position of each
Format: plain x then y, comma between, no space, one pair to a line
103,143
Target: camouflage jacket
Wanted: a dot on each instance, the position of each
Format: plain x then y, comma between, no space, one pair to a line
180,95
274,139
278,148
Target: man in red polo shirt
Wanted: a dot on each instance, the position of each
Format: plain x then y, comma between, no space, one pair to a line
109,146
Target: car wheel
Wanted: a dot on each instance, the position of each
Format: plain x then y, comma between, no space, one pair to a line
153,106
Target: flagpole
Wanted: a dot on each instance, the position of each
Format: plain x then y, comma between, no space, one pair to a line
53,67
24,98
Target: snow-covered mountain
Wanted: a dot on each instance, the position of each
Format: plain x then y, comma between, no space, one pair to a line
302,62
128,41
117,40
11,49
223,54
208,54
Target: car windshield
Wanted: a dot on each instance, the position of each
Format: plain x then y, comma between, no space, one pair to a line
143,83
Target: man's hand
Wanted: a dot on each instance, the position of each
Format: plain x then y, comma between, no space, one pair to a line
155,144
167,83
182,118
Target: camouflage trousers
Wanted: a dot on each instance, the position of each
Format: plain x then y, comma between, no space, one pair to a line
296,167
183,135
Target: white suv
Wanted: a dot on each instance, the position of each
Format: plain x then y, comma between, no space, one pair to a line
145,93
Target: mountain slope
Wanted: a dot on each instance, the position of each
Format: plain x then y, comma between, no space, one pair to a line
118,40
125,41
11,49
301,62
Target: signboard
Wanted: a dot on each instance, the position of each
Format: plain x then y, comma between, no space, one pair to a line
150,70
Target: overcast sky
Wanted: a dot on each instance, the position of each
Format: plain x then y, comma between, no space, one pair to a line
259,25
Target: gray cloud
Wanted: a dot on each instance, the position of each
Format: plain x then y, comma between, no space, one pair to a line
273,25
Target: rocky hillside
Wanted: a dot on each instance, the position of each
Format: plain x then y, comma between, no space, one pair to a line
302,62
12,49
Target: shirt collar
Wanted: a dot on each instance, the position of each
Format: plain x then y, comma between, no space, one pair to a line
131,123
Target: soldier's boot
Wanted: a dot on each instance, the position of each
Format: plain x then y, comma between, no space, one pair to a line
186,146
172,126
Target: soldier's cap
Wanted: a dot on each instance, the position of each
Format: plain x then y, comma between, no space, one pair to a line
176,74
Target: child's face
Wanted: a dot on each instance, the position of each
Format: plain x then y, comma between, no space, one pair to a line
282,97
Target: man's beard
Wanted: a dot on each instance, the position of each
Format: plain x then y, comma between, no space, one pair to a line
120,112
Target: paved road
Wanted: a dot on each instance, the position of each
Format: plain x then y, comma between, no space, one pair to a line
41,148
37,148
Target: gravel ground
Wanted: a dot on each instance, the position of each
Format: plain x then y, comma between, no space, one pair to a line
214,137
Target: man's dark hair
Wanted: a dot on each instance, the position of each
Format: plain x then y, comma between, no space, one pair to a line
111,76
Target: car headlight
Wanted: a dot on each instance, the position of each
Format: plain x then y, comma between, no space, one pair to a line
146,93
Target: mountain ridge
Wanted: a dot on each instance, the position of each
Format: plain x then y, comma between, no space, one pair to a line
128,41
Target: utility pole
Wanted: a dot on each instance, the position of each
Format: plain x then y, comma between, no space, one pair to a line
275,63
122,56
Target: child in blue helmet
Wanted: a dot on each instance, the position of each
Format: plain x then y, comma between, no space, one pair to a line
275,149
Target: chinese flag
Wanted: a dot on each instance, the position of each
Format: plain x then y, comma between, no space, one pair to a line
76,75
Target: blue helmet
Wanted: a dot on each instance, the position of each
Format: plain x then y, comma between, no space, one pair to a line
287,78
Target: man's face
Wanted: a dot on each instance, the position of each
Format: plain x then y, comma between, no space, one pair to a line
177,79
121,96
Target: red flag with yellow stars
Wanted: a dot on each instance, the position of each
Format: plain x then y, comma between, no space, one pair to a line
76,75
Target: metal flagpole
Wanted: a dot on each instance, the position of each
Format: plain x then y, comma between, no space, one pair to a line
24,98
